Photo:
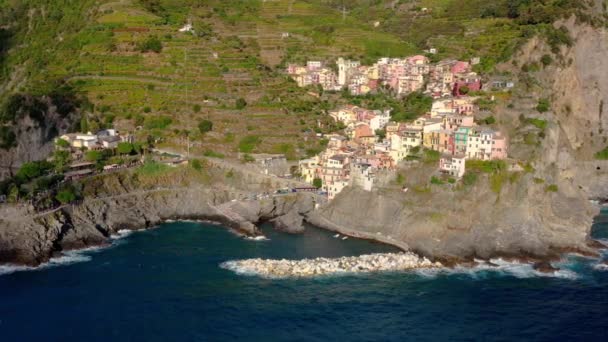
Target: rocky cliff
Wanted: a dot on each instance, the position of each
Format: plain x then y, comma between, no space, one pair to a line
30,123
538,212
32,239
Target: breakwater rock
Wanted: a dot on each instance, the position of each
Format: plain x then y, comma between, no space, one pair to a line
388,262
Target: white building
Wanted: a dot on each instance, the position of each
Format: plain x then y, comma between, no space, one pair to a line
345,68
362,175
455,166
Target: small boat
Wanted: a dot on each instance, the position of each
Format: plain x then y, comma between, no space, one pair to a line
337,236
344,238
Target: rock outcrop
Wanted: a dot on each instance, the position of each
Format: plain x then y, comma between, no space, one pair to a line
450,224
305,268
32,239
36,122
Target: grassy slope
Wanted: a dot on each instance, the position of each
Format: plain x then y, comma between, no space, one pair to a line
85,42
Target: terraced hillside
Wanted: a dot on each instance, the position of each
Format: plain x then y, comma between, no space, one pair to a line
140,73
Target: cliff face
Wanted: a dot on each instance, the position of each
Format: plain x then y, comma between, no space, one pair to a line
476,222
32,239
37,121
524,218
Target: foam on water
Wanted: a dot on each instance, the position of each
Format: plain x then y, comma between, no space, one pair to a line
257,238
123,233
67,258
499,267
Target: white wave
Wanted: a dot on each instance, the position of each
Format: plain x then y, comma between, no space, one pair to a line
499,266
600,267
123,233
257,238
8,269
233,265
66,258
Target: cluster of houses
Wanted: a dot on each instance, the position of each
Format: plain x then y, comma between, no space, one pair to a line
359,155
104,139
402,75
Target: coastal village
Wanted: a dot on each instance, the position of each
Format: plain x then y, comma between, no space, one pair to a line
372,142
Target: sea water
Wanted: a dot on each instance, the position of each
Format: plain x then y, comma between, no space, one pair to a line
166,284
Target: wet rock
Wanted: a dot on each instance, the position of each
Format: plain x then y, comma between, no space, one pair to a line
289,223
545,267
325,266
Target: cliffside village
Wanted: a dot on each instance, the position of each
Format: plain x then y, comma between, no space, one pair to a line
357,156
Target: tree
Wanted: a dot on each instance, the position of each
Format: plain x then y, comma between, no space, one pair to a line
61,143
205,126
66,196
241,103
125,148
196,108
93,156
31,170
84,124
381,133
543,105
317,183
8,138
61,160
151,44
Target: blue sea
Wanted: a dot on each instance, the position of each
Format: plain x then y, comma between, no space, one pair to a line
166,284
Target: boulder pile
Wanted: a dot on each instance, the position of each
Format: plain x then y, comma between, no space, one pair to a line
327,266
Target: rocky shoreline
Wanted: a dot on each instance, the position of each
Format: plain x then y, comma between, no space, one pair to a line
387,262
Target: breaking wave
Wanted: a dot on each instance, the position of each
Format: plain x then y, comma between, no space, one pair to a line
501,267
67,258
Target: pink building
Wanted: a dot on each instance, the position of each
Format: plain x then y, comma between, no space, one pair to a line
499,146
460,67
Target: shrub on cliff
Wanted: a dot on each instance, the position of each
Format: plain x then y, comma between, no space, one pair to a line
66,196
151,44
205,126
602,155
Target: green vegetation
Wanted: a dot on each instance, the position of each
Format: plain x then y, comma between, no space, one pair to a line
538,123
543,105
431,156
546,60
602,155
196,164
62,143
8,138
317,183
98,47
414,105
32,170
247,158
528,168
551,188
157,122
400,179
436,181
241,103
152,168
66,196
497,180
486,166
249,143
205,126
489,120
125,148
538,180
213,154
151,44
